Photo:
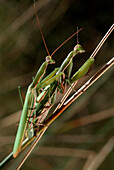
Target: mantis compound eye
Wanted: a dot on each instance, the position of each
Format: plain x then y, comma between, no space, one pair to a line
50,60
78,48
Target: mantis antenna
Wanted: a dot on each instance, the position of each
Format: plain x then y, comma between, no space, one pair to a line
41,30
77,36
66,41
44,39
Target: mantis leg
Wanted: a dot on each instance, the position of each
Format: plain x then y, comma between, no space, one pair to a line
20,95
50,76
83,70
69,70
51,80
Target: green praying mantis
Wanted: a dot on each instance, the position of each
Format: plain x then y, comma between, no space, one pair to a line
47,90
41,94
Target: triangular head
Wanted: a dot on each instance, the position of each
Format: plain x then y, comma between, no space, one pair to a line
78,48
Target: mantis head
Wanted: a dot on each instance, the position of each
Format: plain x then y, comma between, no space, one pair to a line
78,48
50,60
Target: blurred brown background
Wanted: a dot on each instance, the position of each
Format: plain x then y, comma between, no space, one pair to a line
22,52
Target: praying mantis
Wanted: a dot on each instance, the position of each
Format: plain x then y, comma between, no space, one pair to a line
41,93
49,87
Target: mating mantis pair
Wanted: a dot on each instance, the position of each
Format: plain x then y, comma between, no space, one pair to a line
47,89
41,93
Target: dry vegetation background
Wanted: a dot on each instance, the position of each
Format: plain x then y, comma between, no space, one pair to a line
83,135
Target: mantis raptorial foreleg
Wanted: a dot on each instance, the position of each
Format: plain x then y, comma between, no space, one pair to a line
83,70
